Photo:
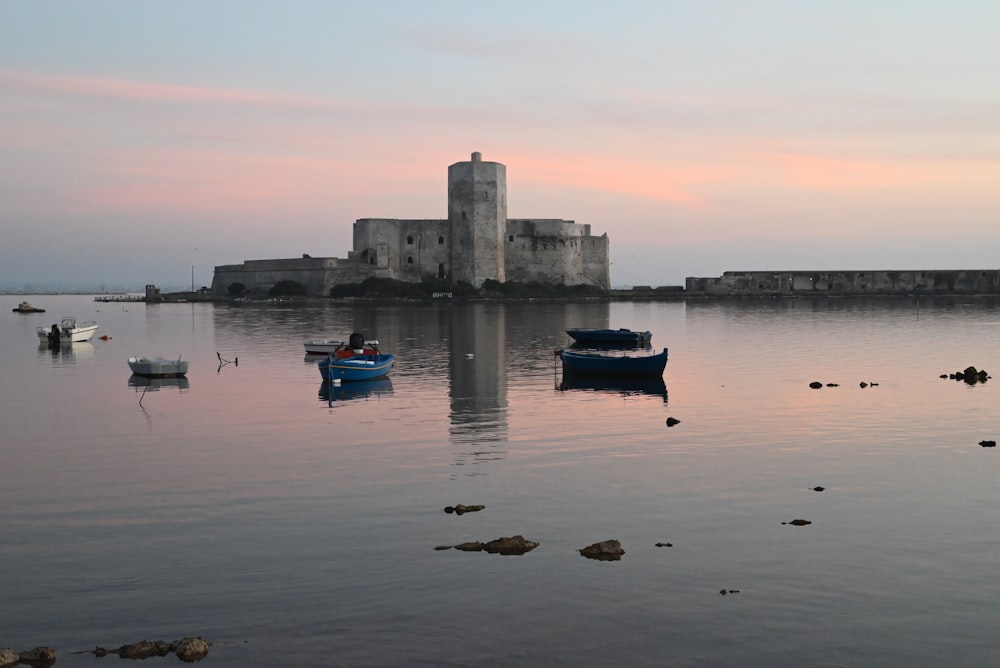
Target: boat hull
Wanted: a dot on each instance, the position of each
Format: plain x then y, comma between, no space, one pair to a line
609,337
157,367
613,365
76,335
359,367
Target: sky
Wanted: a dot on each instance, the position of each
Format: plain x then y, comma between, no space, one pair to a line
148,142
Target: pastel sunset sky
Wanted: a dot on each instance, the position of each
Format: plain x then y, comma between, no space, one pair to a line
141,139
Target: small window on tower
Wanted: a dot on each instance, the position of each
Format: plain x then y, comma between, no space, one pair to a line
409,240
409,259
511,238
440,240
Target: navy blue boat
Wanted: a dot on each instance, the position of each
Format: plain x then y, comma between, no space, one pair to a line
613,365
609,337
359,367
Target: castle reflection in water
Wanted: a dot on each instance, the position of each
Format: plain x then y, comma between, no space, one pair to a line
473,354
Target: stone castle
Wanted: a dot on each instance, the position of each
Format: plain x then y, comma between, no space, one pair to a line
477,242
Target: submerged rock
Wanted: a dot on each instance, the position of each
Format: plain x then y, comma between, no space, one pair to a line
971,375
512,545
606,550
815,385
9,657
143,649
189,650
40,656
672,421
474,546
798,523
461,509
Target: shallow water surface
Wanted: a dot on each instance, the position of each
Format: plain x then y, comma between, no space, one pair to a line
294,526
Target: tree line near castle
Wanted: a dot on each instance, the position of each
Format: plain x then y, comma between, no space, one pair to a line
387,288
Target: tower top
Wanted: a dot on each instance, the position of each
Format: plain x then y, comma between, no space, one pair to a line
477,156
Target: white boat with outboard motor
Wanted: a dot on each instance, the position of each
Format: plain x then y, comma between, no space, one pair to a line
68,331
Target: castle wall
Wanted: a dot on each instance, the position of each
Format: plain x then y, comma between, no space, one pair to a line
318,275
964,281
555,251
409,249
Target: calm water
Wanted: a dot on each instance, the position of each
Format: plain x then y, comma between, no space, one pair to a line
294,530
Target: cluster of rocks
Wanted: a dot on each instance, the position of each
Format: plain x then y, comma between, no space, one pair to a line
970,375
186,649
607,550
505,545
817,385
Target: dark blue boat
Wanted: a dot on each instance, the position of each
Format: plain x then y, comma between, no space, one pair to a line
613,365
359,367
609,337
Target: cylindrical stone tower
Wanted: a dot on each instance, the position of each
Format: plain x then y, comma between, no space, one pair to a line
477,217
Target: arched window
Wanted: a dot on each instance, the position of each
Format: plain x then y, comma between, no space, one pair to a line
440,240
409,259
409,240
441,273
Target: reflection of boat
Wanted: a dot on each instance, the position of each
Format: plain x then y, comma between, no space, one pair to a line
68,331
342,349
359,390
359,367
624,385
154,384
25,307
157,367
75,351
609,364
609,337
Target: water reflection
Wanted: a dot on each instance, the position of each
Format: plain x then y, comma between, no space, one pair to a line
478,378
67,352
360,389
622,386
144,384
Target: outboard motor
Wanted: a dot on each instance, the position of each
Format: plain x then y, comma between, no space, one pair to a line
356,342
54,338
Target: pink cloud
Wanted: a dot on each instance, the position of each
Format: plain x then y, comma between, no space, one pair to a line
138,90
599,172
